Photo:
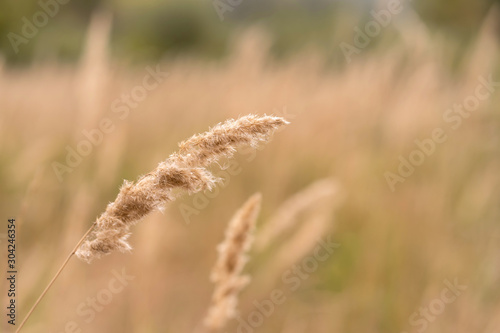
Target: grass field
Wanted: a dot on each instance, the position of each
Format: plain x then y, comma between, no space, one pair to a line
408,132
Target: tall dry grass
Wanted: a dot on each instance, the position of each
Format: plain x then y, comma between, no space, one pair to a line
350,123
185,170
232,257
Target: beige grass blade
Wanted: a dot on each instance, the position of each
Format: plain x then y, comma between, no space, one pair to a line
482,56
226,273
93,73
302,241
316,225
287,214
185,170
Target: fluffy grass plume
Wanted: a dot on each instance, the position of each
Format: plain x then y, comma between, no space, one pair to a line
226,273
184,170
288,213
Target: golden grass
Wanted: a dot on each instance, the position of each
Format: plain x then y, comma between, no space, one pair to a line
186,170
350,124
227,272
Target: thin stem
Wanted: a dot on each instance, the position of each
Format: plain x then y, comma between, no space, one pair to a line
55,277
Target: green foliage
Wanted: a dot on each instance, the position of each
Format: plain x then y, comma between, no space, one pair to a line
150,30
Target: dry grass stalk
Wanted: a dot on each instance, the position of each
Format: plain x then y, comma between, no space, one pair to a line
285,217
2,63
317,204
184,170
317,225
93,75
226,273
481,58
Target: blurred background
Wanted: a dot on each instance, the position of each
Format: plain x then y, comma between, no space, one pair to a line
95,92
